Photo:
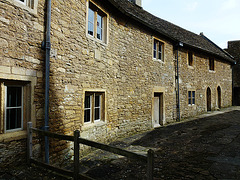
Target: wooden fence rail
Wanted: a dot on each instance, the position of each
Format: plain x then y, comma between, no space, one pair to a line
78,140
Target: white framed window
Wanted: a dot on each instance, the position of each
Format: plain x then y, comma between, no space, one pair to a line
191,97
29,5
158,50
13,108
93,107
15,105
96,22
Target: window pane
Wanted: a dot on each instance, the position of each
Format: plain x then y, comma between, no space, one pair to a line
87,115
189,97
87,101
90,15
14,96
193,97
160,51
97,114
155,49
90,28
13,118
97,101
97,107
99,27
90,21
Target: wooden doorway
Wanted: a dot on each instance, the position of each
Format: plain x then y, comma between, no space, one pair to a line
209,99
158,109
219,97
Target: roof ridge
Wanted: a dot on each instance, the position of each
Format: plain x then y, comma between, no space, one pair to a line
205,37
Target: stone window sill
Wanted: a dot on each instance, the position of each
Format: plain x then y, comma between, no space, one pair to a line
10,136
190,67
160,61
87,126
23,6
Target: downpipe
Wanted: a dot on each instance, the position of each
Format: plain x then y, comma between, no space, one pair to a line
47,70
180,44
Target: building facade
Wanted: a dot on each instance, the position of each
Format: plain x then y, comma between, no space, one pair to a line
234,50
115,70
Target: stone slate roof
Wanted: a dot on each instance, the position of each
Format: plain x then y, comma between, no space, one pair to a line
174,32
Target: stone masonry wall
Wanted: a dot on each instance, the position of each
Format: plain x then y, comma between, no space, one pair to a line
21,59
198,78
123,68
234,50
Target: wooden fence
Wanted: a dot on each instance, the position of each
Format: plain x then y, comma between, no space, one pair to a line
77,140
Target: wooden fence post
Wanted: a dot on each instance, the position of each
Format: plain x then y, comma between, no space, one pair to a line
29,142
76,154
150,164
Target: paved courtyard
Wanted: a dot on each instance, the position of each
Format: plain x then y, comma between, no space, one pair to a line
204,147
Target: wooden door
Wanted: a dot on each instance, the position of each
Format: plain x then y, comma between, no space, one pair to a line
209,99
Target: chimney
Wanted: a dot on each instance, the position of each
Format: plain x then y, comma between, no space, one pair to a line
137,2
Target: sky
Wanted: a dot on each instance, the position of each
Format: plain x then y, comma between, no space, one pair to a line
219,20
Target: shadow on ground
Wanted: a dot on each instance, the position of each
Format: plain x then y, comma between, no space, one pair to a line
206,148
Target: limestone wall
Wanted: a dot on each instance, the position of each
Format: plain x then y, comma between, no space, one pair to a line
198,78
21,61
122,68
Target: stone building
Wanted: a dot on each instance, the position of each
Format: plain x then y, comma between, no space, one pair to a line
234,49
115,70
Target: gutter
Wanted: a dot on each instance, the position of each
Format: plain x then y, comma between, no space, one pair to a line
47,70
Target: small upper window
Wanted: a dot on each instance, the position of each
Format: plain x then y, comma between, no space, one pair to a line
211,64
157,50
97,24
190,58
29,5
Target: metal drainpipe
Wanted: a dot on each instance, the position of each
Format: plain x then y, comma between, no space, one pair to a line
47,67
178,90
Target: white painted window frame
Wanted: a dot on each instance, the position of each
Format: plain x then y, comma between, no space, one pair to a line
93,107
29,5
159,50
